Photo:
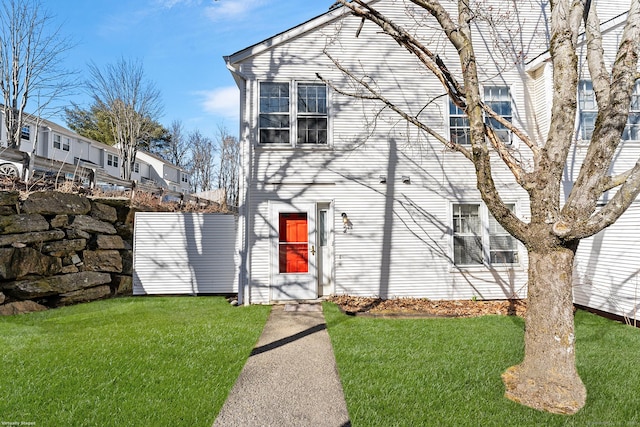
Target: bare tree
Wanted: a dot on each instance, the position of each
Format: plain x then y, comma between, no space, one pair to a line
31,53
131,104
202,161
547,378
229,172
175,149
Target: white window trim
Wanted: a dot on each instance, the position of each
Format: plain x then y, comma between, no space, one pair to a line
486,251
57,140
293,118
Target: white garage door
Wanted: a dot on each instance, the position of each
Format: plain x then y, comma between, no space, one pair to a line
184,253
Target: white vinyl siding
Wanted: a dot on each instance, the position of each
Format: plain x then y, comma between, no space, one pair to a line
184,253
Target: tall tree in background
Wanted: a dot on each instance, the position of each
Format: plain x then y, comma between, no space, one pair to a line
174,148
229,171
202,161
132,106
547,378
31,53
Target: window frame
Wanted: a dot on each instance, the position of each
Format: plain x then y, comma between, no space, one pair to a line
66,143
294,116
591,110
454,112
484,238
57,141
25,132
113,160
500,129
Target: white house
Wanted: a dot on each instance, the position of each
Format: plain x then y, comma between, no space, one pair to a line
52,141
341,196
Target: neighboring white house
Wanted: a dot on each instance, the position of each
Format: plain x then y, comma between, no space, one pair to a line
52,141
341,196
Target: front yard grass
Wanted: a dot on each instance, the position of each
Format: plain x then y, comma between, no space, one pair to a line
157,361
446,372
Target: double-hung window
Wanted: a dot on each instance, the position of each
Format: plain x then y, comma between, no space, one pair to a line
589,112
632,129
588,109
112,160
479,239
275,113
312,113
66,144
459,130
25,132
498,98
57,142
293,114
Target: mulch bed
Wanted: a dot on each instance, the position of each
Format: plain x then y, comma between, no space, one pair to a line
422,307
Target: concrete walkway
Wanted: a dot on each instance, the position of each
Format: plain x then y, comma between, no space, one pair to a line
291,377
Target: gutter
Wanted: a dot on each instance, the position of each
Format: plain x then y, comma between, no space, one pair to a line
244,270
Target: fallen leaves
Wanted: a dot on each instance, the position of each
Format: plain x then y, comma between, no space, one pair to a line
426,307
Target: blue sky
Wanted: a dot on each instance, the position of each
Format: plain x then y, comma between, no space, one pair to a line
180,44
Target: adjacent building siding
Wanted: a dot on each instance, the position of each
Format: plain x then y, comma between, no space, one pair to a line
606,275
184,253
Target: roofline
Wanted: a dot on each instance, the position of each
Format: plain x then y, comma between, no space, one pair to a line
283,37
605,26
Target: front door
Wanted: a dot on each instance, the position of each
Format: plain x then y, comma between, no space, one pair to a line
294,253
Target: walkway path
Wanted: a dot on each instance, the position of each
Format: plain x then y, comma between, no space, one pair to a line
291,378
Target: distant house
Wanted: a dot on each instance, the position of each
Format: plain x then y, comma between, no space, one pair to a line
341,196
52,141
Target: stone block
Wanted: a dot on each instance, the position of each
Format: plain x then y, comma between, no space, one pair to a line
59,221
127,262
122,285
9,198
56,203
20,307
7,210
102,260
37,237
3,298
104,212
63,247
72,233
103,241
85,295
16,263
92,225
22,223
67,269
54,285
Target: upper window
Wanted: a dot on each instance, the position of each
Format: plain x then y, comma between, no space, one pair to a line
498,98
589,111
136,167
280,118
66,144
112,160
479,239
588,108
632,129
312,114
25,132
57,141
459,131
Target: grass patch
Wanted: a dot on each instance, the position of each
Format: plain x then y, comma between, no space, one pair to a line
129,361
446,372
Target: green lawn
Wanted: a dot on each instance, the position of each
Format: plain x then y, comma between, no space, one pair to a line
446,372
125,362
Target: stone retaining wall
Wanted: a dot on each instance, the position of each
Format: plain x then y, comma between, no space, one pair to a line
59,248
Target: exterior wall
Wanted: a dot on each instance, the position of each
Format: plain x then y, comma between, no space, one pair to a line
401,241
184,253
606,274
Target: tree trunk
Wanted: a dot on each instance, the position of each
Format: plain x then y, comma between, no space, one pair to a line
547,378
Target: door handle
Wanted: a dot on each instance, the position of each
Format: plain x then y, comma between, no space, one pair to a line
313,250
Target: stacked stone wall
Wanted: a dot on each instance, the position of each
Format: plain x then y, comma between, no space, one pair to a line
59,249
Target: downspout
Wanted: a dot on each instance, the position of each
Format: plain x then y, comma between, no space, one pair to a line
244,271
